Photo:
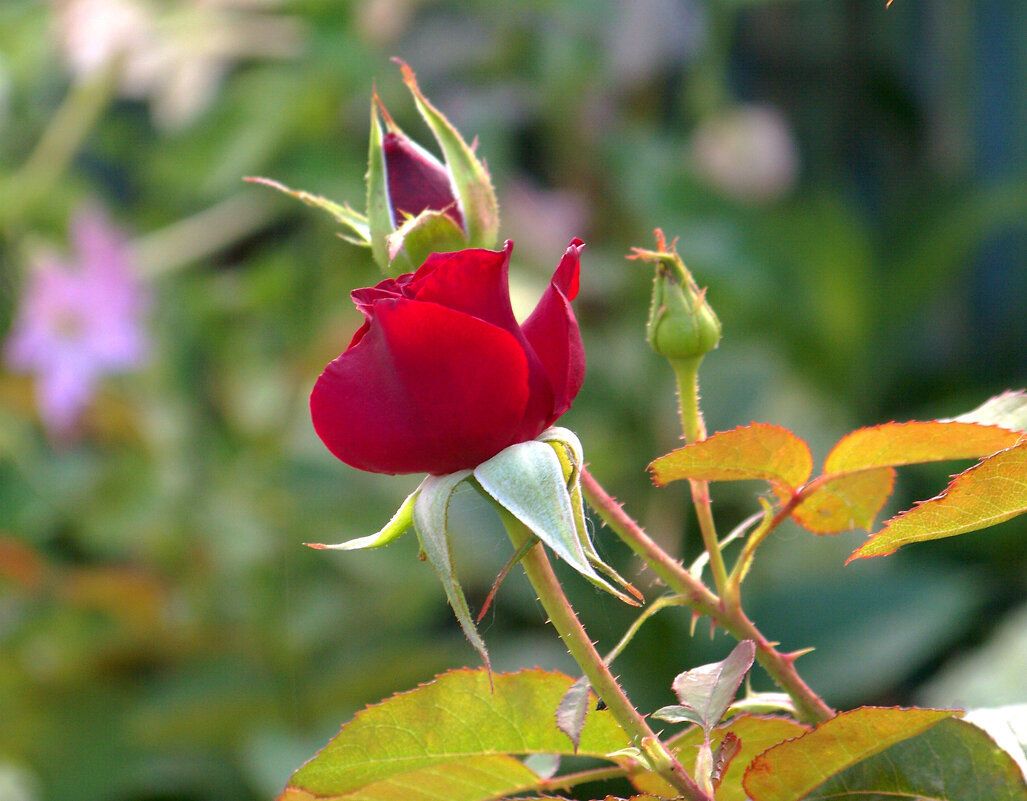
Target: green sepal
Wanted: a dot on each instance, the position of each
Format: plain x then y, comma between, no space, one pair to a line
568,450
431,231
398,525
379,212
527,480
431,513
470,177
352,219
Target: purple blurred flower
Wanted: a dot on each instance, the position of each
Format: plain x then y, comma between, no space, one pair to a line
78,321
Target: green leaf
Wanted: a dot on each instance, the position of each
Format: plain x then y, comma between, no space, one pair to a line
353,220
431,519
527,480
950,761
706,692
794,769
471,179
431,231
896,444
452,738
988,493
758,450
397,526
762,703
1007,726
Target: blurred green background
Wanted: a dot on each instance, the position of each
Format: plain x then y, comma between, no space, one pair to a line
849,181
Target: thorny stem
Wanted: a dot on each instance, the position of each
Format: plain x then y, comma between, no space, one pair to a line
575,638
769,524
687,373
781,667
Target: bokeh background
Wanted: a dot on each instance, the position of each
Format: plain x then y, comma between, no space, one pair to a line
849,181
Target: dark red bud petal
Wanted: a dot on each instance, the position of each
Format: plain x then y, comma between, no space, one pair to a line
416,180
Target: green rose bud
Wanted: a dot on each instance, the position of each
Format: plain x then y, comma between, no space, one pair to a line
682,325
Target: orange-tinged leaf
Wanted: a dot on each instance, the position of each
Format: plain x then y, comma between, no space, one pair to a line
758,450
292,794
756,733
988,493
794,768
896,444
846,502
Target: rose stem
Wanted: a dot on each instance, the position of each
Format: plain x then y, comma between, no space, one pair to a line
781,667
575,638
687,373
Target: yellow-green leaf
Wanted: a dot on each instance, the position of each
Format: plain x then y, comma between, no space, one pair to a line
792,770
756,733
896,444
988,493
759,450
846,501
453,732
950,760
859,471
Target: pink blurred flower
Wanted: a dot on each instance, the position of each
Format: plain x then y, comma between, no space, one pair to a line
78,321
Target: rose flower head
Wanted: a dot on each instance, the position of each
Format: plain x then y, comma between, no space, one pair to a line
441,377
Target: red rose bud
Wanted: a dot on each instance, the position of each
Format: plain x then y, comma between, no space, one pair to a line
418,204
416,180
441,377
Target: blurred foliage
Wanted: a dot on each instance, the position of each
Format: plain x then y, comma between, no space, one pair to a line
850,182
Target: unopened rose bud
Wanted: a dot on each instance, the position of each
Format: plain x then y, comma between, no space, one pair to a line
418,204
682,324
417,181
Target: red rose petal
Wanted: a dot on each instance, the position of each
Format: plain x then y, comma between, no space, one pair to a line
552,331
475,282
426,389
